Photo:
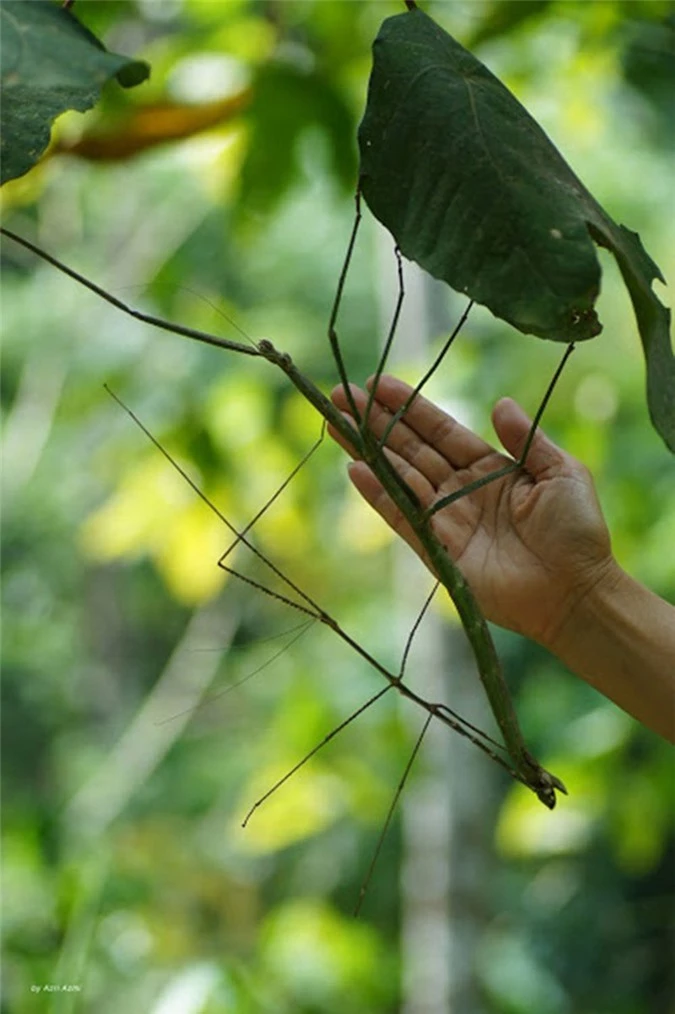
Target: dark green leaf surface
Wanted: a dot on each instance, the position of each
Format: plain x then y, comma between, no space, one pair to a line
50,63
474,191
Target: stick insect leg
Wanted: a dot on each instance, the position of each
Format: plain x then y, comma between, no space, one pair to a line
240,537
458,723
440,707
513,466
147,318
399,790
332,333
430,372
441,711
308,756
303,461
388,342
311,608
390,814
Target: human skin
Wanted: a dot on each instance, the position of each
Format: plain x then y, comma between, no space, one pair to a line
533,546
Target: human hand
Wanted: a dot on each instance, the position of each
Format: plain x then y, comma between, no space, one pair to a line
531,545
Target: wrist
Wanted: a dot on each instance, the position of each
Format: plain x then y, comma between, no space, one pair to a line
588,600
620,638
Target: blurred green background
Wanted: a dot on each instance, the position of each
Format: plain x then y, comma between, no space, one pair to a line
223,189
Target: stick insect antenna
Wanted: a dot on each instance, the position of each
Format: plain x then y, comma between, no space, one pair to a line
210,698
221,313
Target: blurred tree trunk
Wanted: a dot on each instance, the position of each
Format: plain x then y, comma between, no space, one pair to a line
448,811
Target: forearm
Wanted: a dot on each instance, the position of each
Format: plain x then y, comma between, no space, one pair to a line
621,639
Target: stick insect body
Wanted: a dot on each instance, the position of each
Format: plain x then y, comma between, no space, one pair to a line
520,762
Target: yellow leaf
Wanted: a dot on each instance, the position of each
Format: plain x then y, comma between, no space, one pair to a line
188,555
134,519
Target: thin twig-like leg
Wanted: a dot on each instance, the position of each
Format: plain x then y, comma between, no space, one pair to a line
430,372
269,591
311,608
513,466
303,461
390,338
147,318
202,496
415,627
308,756
441,711
390,814
441,707
332,333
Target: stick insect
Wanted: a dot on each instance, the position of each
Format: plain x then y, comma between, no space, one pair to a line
309,607
513,756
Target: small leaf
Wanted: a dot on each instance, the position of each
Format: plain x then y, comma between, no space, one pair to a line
50,63
474,191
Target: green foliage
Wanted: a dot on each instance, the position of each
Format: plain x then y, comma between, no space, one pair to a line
505,17
50,63
474,191
649,64
288,101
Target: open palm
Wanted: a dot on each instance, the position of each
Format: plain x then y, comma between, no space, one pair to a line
529,544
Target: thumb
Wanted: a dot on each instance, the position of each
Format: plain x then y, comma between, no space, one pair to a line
512,425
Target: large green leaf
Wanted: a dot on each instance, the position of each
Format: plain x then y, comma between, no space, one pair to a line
50,63
474,191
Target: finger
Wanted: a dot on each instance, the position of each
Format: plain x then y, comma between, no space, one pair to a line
512,425
403,440
425,491
339,397
454,442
